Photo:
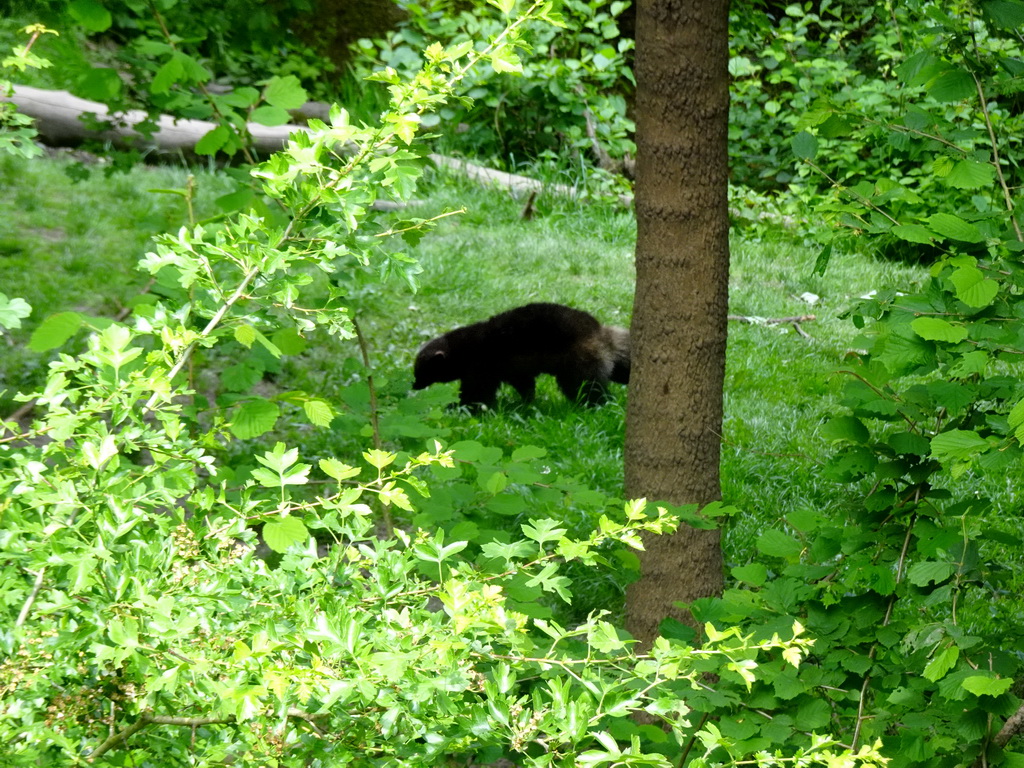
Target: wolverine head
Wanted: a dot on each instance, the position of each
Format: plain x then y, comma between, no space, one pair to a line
432,364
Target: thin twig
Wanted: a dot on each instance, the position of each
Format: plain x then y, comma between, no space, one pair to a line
772,320
191,722
374,420
365,352
23,411
996,161
885,622
183,358
27,607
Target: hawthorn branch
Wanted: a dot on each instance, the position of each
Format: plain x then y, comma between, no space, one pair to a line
1013,725
117,738
190,722
996,161
27,607
186,354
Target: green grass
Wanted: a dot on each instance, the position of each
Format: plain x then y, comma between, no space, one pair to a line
780,385
74,246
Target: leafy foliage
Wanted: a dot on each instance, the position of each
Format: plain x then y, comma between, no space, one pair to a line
16,131
572,90
141,625
908,593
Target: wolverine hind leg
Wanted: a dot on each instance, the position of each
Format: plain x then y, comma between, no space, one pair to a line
582,390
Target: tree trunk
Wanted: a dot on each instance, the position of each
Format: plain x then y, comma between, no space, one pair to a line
674,416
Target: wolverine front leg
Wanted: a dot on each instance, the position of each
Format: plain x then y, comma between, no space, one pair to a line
478,391
526,386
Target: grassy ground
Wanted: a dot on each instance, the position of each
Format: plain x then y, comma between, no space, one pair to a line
74,246
68,245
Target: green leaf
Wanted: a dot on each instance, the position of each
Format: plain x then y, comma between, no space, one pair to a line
245,335
270,115
982,685
54,331
948,225
909,443
505,6
240,98
391,494
919,68
805,145
337,469
494,483
377,458
543,530
81,573
283,533
528,453
970,364
12,311
970,174
929,572
953,85
1016,420
846,428
973,288
254,419
98,455
605,638
266,343
456,51
506,504
213,141
824,257
100,84
90,14
285,93
289,341
754,574
914,233
944,661
166,76
778,544
241,377
504,59
319,412
805,520
957,444
282,467
1008,14
937,329
813,713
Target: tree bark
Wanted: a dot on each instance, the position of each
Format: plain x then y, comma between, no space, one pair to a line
674,415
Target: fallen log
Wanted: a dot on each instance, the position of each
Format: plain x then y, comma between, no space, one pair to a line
772,320
58,120
795,321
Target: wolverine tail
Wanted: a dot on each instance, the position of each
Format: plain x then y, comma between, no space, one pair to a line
618,346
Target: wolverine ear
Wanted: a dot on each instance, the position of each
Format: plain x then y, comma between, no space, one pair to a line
439,354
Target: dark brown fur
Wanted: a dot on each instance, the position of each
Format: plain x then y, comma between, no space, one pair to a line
518,345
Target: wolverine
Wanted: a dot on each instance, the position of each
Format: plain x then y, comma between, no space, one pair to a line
516,346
